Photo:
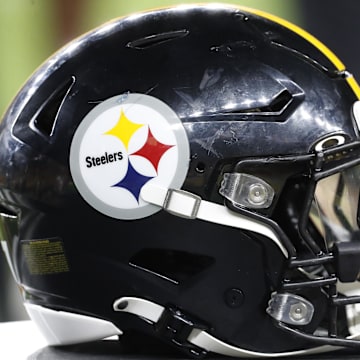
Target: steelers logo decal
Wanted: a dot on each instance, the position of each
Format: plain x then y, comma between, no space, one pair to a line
122,144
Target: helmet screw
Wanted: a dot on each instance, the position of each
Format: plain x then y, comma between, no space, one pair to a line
298,312
234,297
258,194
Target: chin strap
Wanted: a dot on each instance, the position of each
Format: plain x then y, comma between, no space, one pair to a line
197,340
190,206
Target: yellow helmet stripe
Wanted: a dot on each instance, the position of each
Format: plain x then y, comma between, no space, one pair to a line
354,85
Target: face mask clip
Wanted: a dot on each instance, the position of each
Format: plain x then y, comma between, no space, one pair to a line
247,191
347,258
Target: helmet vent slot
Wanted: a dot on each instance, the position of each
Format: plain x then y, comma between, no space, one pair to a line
277,105
45,119
173,265
157,39
280,102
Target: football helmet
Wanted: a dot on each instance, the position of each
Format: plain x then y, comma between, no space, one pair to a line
192,174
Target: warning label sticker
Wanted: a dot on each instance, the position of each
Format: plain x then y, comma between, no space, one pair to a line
44,257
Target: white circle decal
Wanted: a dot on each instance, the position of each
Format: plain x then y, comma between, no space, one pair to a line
122,144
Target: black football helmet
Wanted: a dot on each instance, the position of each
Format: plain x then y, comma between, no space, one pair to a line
193,174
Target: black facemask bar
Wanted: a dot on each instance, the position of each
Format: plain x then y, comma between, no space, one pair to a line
342,261
336,261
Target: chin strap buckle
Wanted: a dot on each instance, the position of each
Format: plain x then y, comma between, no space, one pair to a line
182,203
176,326
168,322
